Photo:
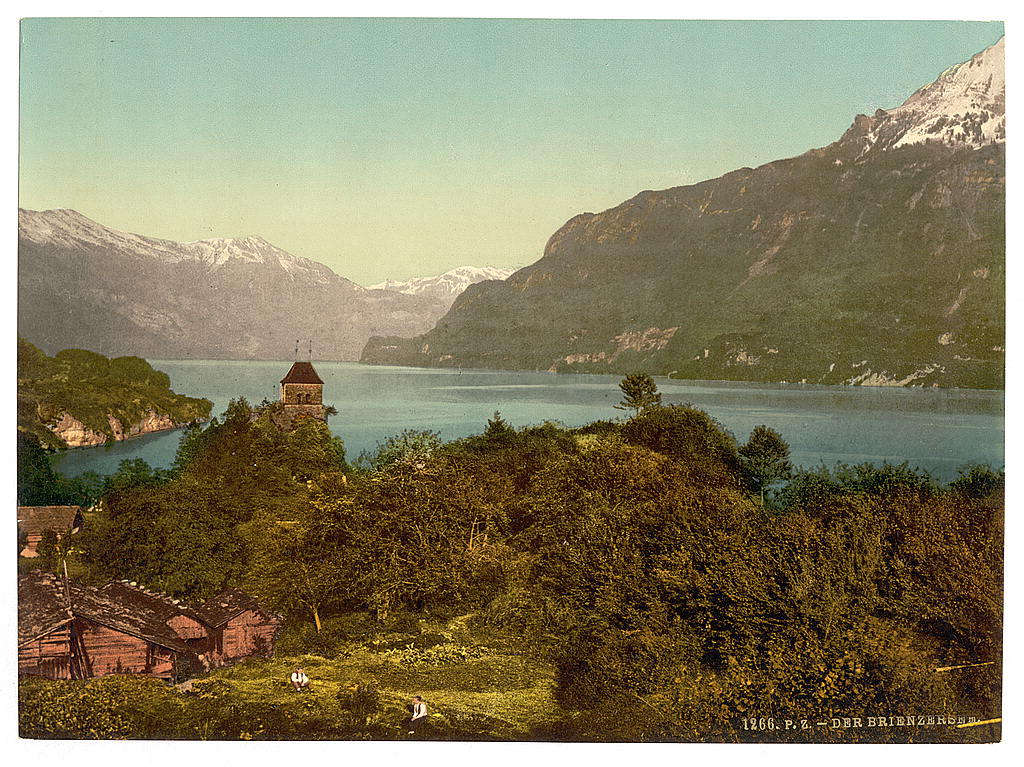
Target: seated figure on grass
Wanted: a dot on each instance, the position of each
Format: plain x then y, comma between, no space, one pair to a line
299,680
419,714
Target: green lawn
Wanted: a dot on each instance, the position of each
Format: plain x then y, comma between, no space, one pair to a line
500,692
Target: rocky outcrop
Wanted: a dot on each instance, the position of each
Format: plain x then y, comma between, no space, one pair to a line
77,434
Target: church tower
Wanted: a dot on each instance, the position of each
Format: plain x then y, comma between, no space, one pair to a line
302,395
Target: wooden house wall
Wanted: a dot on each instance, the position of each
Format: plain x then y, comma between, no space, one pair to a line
48,656
106,651
187,628
248,634
31,549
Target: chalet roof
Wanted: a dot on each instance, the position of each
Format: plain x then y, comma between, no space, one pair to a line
34,519
162,606
120,605
135,618
42,605
225,606
302,373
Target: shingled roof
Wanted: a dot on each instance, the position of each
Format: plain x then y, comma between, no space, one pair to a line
163,606
302,373
135,618
120,605
225,606
33,520
42,605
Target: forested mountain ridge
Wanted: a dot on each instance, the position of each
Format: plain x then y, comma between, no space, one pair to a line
80,398
878,259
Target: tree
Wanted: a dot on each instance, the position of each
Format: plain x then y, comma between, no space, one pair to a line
133,472
499,430
765,458
411,448
40,485
295,572
47,550
639,393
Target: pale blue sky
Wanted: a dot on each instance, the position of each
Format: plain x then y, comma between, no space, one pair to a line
395,148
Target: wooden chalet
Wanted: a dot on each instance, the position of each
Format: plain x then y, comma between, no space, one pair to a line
78,632
44,626
238,627
110,636
34,520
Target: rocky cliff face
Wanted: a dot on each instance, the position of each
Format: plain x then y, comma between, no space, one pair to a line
85,285
74,433
878,259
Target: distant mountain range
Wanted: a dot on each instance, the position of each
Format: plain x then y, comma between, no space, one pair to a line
447,286
84,285
878,259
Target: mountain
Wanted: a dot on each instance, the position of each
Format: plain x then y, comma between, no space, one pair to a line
878,259
85,285
447,286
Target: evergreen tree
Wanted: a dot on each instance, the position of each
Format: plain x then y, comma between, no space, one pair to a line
765,458
498,429
639,393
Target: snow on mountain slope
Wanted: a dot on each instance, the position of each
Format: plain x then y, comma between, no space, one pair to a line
83,285
70,229
965,106
447,285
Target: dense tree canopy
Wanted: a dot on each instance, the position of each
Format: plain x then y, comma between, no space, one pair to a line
632,555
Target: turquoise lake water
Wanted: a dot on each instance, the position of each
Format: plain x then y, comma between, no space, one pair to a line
934,429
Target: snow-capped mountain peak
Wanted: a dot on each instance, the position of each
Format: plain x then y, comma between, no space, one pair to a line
69,228
965,106
447,285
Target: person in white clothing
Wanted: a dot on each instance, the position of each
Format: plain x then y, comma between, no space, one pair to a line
299,680
419,714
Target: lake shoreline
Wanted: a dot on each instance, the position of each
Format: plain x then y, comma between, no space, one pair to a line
722,382
937,430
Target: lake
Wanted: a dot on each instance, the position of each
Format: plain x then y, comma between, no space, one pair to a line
934,429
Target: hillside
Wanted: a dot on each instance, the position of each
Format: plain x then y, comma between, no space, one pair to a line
80,398
82,284
878,259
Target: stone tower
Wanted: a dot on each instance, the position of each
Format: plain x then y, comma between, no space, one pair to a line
302,394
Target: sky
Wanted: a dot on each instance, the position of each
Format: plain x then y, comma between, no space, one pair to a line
393,148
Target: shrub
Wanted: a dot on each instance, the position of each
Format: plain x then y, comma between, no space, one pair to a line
437,655
976,481
360,701
687,434
111,707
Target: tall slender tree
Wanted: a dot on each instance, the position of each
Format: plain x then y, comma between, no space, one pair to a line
639,393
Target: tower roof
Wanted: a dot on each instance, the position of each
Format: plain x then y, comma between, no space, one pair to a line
302,373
